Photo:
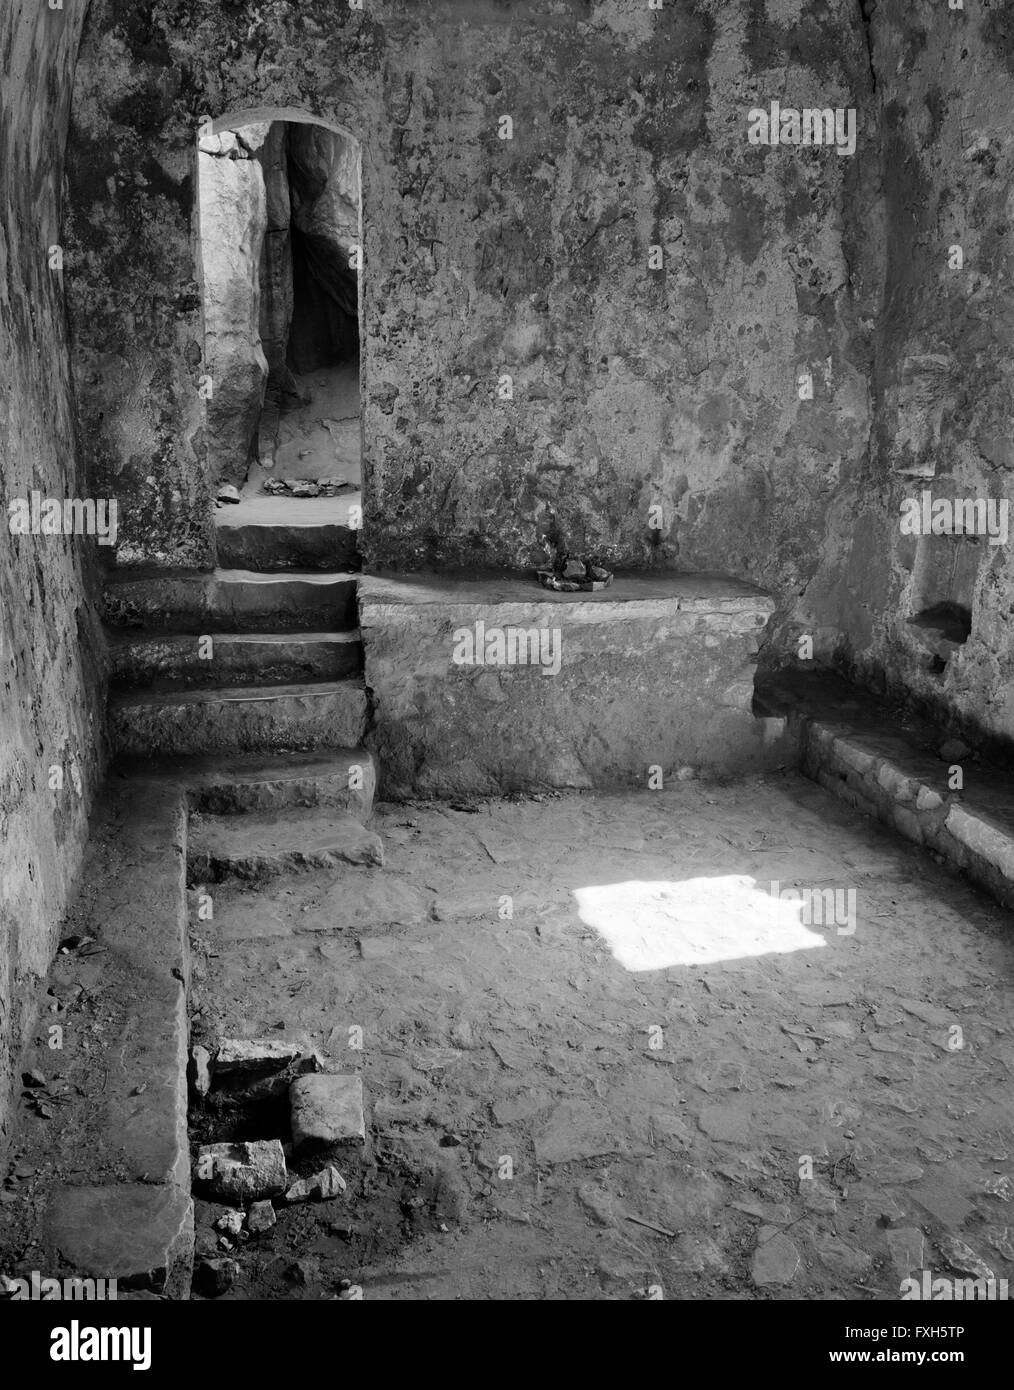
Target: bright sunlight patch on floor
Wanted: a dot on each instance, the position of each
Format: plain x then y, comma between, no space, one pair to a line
693,921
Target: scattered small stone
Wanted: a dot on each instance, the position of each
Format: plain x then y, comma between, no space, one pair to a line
963,1258
1001,1238
230,1223
303,1272
598,1203
260,1218
242,1172
200,1071
322,1186
302,1190
33,1078
74,943
326,1110
775,1260
331,1182
227,493
215,1277
686,774
999,1187
953,750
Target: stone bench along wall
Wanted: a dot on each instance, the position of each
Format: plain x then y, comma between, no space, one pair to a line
574,690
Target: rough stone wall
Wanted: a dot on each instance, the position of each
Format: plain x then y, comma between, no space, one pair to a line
943,384
276,252
652,414
531,258
324,183
49,682
233,221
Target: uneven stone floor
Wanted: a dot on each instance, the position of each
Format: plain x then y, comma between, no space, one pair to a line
310,448
615,1089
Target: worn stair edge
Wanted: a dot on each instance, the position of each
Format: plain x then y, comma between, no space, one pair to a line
229,600
240,719
138,1230
281,547
885,777
261,844
146,659
345,778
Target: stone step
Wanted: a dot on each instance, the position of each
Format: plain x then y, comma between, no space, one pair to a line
894,768
166,661
345,779
232,600
239,719
261,843
288,533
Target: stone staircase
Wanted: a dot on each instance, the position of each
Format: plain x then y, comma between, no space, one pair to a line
243,660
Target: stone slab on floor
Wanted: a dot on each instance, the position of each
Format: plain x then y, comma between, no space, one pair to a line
240,719
886,763
269,842
138,1234
596,690
231,600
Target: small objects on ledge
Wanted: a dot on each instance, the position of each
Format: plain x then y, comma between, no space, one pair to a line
571,575
307,487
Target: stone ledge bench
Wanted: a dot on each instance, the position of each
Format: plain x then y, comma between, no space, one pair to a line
885,764
493,684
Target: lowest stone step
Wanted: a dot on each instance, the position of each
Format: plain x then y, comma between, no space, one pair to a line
237,719
269,842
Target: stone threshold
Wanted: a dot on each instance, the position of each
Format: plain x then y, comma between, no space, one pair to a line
885,763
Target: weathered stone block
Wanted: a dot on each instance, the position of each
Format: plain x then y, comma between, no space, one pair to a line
327,1110
245,1172
251,1056
493,685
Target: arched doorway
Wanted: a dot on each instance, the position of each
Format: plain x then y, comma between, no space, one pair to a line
280,236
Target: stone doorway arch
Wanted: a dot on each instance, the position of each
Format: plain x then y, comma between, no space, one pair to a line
279,238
